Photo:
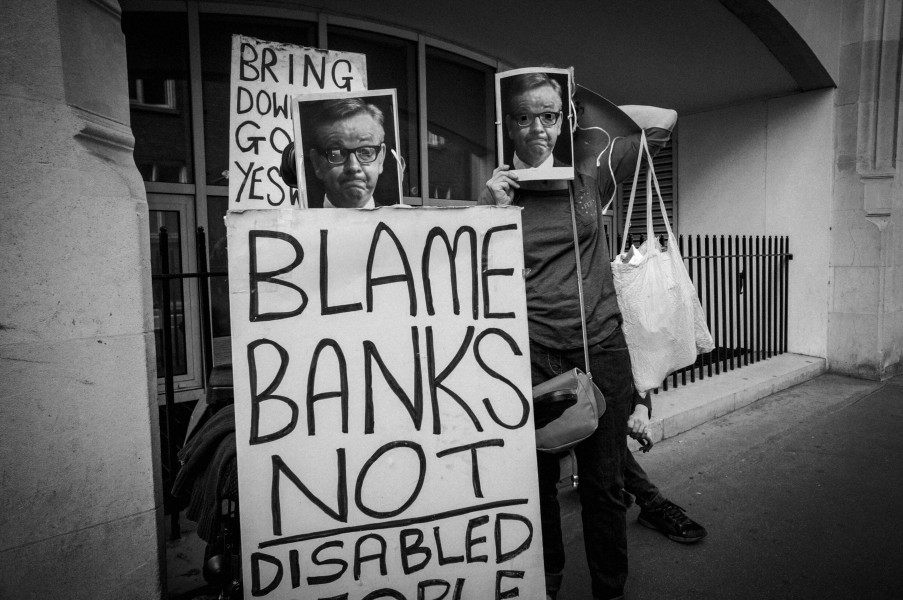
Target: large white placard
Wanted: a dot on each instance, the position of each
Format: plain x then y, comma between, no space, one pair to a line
264,77
384,428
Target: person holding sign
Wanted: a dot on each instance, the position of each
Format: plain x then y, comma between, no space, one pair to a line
555,330
348,151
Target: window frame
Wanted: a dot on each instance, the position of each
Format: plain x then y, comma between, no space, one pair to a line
193,195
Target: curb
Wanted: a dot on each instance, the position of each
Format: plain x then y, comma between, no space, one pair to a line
685,407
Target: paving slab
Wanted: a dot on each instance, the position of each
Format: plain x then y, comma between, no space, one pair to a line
799,492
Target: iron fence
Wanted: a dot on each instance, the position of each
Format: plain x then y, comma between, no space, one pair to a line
742,283
174,418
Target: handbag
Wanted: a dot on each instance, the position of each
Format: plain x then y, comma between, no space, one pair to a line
567,408
663,321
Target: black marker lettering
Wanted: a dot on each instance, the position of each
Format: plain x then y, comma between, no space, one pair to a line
374,281
474,465
359,485
320,562
256,588
440,557
267,394
256,277
383,593
241,95
415,407
269,59
408,549
470,541
487,273
525,404
436,382
452,254
429,583
501,556
294,565
246,65
311,69
325,308
346,81
244,179
276,180
341,393
253,144
266,104
360,559
509,593
280,468
286,139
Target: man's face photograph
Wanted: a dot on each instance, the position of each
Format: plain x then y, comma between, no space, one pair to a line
534,123
349,159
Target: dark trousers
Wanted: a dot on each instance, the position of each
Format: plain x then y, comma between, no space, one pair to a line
599,462
637,483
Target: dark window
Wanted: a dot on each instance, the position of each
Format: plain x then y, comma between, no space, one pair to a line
159,95
460,125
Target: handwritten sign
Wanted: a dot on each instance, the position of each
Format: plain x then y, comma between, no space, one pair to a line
265,76
382,403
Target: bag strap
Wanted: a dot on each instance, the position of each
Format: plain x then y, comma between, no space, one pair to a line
650,179
579,278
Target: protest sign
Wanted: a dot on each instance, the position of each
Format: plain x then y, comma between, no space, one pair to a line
384,427
265,75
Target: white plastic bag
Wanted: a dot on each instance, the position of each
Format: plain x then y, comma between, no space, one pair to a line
664,323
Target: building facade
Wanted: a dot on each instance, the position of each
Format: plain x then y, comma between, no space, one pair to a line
114,117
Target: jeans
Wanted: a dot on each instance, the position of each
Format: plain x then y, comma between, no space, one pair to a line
637,483
599,462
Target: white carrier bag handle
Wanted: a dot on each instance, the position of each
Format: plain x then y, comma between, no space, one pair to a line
650,178
663,321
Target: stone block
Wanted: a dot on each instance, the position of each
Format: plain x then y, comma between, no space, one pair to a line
850,66
75,261
115,559
854,241
851,21
893,289
846,129
856,290
853,344
79,442
848,192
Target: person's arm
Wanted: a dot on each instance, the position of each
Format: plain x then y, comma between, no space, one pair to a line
648,117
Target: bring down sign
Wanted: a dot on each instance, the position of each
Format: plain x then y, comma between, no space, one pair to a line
382,404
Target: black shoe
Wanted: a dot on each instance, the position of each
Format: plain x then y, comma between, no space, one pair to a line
672,521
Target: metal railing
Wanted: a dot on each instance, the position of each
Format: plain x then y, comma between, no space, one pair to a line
170,441
742,283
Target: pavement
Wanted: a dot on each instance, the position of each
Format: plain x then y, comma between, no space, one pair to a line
797,476
795,473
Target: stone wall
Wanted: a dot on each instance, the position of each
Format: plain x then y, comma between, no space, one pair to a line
865,327
80,502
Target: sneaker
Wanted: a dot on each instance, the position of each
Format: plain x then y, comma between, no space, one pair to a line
671,520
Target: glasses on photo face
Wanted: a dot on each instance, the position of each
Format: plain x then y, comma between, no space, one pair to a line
546,119
338,156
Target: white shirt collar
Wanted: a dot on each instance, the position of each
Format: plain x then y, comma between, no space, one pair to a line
546,164
371,203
